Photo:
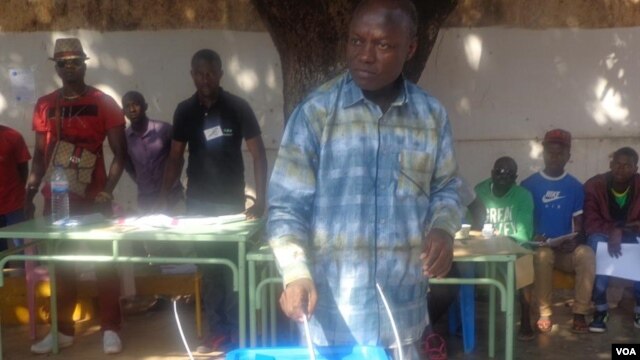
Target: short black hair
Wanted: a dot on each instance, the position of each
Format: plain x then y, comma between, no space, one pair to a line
134,95
626,151
206,55
405,6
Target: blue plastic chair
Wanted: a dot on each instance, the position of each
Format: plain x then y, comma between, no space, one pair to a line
462,313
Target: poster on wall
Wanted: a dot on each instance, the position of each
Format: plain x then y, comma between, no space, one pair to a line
23,86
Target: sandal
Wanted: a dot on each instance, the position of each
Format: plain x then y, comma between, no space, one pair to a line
580,325
544,325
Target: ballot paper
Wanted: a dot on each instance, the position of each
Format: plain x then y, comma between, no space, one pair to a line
626,266
164,221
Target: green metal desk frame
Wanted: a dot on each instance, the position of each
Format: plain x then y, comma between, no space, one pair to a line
38,229
507,295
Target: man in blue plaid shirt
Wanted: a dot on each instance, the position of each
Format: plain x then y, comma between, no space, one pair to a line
364,192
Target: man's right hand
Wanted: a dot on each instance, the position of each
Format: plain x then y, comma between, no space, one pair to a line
299,299
613,245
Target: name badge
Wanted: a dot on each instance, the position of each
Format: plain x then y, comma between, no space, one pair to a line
212,133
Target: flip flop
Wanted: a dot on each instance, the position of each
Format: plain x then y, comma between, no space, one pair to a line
544,325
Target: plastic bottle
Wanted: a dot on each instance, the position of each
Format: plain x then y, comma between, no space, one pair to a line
59,197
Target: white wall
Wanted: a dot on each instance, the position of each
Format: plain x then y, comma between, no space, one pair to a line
503,87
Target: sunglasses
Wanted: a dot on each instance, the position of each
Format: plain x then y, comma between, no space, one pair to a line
70,62
503,172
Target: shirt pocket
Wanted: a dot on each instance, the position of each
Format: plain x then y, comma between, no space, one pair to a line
414,173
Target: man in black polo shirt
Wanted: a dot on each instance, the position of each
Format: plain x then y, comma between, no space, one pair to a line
213,123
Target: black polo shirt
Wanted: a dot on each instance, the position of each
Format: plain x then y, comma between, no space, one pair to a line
214,136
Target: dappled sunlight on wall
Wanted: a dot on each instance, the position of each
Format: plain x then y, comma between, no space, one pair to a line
3,104
608,105
473,51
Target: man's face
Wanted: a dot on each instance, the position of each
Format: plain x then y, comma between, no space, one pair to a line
71,70
555,157
134,109
622,168
206,77
378,46
504,174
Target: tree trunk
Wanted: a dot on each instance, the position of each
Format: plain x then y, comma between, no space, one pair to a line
311,36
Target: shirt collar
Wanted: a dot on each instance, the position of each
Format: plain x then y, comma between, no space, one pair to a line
353,94
151,127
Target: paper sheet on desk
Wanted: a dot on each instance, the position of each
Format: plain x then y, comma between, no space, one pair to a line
186,223
626,266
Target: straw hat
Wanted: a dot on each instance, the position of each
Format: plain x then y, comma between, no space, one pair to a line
68,48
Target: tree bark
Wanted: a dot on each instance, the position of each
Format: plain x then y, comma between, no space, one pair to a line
311,36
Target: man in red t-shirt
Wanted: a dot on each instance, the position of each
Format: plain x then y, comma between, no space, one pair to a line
87,116
14,167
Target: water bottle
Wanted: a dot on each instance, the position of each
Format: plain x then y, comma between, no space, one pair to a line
59,196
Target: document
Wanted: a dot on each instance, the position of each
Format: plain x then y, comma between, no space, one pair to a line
626,266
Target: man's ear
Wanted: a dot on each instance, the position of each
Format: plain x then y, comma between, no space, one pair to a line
221,74
145,106
413,46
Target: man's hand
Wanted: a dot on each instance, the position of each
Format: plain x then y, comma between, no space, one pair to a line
255,211
569,245
541,239
29,209
615,239
103,197
299,299
437,254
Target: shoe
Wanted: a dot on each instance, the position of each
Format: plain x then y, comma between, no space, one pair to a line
111,343
214,343
636,320
599,323
579,324
45,345
435,347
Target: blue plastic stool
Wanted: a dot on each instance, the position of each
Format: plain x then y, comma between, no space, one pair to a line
462,313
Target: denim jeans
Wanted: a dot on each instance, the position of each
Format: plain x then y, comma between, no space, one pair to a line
602,281
219,299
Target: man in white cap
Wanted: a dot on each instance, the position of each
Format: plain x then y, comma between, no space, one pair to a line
85,116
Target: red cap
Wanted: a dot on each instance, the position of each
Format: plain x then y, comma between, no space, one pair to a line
558,136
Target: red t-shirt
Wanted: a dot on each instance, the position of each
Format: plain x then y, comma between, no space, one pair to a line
13,152
85,122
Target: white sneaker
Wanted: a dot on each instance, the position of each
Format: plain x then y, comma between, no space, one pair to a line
45,345
111,342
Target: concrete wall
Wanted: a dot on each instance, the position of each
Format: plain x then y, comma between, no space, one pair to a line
503,87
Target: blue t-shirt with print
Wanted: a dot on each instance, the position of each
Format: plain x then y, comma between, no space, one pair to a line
556,201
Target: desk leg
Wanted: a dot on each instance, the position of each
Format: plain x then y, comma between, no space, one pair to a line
509,325
252,302
272,305
491,269
242,296
54,304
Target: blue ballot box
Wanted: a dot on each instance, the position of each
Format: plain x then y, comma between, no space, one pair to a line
299,353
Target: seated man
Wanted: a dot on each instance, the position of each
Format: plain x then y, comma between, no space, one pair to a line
558,198
510,211
612,215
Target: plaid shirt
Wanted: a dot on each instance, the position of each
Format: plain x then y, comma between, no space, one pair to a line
336,217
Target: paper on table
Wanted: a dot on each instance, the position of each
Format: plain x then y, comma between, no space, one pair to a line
626,266
164,221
